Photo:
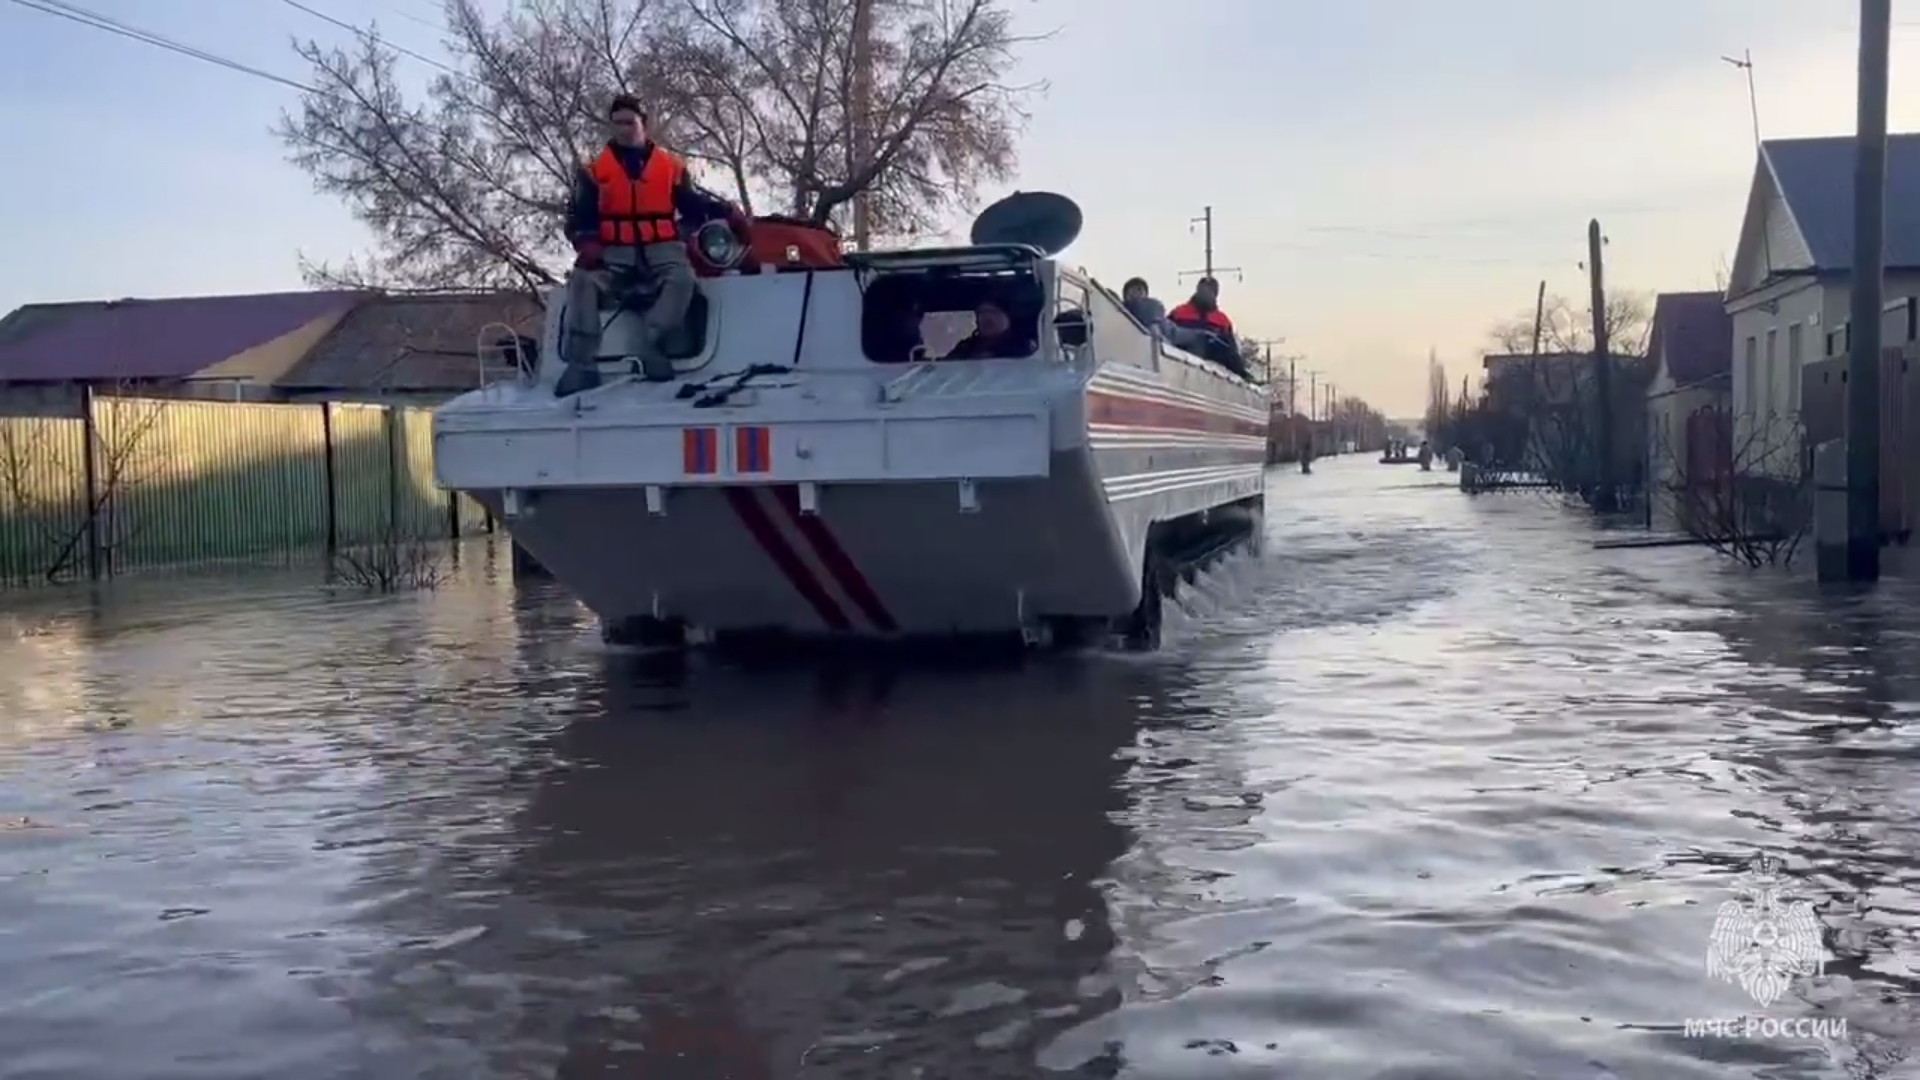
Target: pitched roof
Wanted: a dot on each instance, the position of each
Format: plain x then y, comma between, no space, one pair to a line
1815,178
26,320
151,339
411,343
1696,333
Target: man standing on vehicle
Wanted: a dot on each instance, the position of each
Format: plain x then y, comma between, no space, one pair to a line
623,219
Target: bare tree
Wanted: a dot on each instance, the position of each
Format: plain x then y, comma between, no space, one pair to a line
467,188
43,482
1743,488
1567,328
1253,357
1439,391
1550,404
396,561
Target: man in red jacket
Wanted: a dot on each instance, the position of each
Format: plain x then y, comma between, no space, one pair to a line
1202,312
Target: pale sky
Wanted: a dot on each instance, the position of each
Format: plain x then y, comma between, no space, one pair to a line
1389,175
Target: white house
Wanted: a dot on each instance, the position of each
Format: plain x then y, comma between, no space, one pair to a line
1690,344
1788,293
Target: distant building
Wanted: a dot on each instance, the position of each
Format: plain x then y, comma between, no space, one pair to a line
417,350
299,346
1689,437
221,347
1554,394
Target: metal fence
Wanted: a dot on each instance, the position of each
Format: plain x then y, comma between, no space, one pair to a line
139,483
1823,398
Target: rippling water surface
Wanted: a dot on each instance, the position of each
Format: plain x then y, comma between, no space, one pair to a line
1433,789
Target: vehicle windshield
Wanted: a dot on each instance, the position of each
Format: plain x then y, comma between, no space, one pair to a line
941,314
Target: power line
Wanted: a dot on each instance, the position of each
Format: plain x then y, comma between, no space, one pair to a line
94,20
1429,230
368,36
1412,257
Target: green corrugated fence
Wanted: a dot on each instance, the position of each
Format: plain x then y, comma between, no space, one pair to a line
180,483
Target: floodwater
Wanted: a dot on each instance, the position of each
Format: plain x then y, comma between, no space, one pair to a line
1431,790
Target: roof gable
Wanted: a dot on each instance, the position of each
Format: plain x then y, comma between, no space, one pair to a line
1692,335
155,339
1815,179
1770,240
412,343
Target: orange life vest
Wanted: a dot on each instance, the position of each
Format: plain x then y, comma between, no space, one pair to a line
636,210
1189,315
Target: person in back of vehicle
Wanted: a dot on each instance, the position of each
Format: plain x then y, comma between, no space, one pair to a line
1202,311
1202,315
1138,299
624,218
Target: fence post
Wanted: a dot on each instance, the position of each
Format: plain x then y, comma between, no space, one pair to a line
1830,510
453,515
88,462
332,495
390,424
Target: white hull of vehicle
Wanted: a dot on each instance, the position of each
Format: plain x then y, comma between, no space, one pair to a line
847,498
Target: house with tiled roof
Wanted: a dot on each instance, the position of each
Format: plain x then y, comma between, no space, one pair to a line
1788,295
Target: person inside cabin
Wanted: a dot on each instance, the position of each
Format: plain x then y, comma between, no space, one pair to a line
622,222
899,337
1138,299
993,336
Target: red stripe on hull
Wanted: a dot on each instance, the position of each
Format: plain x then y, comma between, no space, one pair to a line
766,534
834,557
1122,411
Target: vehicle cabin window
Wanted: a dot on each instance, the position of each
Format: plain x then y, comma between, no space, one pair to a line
1072,316
938,315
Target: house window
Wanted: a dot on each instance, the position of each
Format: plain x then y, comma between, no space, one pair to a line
1749,374
1772,374
1796,362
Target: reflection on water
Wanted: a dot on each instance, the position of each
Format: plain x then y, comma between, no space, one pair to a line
1431,790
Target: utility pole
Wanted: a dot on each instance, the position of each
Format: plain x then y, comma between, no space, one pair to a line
1605,498
1205,221
1745,63
862,119
1539,320
1298,453
1268,344
1869,264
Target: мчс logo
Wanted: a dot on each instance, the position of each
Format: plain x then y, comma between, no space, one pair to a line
1765,940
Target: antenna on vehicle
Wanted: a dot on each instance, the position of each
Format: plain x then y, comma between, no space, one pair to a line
1040,219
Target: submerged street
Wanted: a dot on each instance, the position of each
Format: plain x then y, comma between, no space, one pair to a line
1431,789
